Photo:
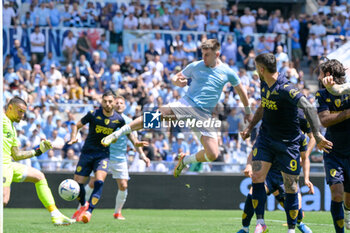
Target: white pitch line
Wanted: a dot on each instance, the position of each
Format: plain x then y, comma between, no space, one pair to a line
280,221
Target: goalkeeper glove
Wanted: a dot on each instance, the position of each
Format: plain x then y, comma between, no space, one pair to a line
42,147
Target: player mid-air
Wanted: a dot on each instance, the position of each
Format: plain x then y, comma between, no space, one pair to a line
279,137
208,78
17,172
334,113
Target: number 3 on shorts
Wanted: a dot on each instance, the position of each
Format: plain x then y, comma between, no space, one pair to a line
104,164
293,165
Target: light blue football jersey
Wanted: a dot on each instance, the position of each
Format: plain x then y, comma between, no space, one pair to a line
117,151
207,83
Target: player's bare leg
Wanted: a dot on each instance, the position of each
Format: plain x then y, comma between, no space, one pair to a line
45,196
260,170
208,154
347,210
291,205
137,124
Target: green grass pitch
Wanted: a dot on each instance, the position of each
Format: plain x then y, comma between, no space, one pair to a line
158,221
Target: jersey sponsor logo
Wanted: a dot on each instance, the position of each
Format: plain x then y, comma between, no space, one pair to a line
116,121
151,120
293,93
333,172
107,121
79,168
293,213
98,118
337,103
255,151
269,104
104,130
94,200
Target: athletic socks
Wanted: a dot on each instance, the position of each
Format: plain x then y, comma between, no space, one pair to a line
45,196
96,195
291,206
190,159
248,211
120,200
81,197
122,131
337,212
88,191
259,199
300,216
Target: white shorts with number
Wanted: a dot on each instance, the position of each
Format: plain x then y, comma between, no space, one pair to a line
119,170
183,110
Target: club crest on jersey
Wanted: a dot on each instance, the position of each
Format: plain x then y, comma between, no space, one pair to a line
107,121
333,172
293,93
337,102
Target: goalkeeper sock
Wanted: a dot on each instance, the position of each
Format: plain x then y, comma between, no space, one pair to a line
55,213
81,197
337,212
120,200
88,191
45,196
96,195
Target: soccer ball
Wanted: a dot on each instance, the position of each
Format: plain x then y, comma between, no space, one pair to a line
69,189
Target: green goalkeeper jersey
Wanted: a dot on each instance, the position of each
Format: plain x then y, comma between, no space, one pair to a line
9,138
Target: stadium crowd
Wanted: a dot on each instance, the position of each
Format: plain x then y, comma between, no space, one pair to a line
59,91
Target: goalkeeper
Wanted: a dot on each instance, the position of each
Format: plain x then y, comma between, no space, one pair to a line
16,172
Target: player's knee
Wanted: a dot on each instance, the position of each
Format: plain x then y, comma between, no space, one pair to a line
123,187
338,197
212,156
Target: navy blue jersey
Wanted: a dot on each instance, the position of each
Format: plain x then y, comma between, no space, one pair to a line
280,120
304,124
99,127
338,133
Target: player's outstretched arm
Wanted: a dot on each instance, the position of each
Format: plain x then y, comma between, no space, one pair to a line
138,145
179,80
256,118
306,168
244,98
328,119
334,88
18,154
311,116
73,135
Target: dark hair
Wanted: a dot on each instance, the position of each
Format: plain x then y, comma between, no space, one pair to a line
335,68
16,101
267,60
109,92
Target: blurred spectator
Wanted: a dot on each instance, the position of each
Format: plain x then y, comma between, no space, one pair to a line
280,57
55,15
48,61
158,43
82,69
90,15
68,47
131,22
23,68
278,41
159,166
84,46
150,53
245,47
53,162
233,121
8,15
43,16
262,21
116,28
118,56
314,50
176,21
262,46
71,161
318,29
17,52
190,48
76,16
27,21
191,23
248,22
57,143
75,92
282,26
145,22
97,67
66,16
224,21
229,49
104,44
180,146
53,74
136,58
37,41
111,78
89,90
